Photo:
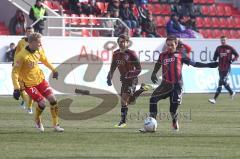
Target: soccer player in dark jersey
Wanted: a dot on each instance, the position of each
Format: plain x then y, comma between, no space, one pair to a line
129,67
224,53
171,62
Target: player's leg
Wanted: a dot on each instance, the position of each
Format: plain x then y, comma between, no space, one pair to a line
23,95
127,89
54,109
227,86
24,99
29,105
124,110
161,92
136,94
47,92
175,101
219,89
41,104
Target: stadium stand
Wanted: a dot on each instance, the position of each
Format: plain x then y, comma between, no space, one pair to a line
214,18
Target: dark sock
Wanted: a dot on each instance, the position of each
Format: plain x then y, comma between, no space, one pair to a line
174,116
124,111
229,89
153,107
219,89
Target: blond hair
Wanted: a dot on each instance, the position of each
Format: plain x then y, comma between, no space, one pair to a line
34,36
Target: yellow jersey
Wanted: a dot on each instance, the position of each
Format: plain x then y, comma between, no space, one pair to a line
21,44
26,67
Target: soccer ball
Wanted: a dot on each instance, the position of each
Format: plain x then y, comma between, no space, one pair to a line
150,124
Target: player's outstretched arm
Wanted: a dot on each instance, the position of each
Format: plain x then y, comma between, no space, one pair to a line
203,65
154,73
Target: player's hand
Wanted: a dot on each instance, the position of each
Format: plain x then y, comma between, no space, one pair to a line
109,79
109,82
154,78
16,94
55,75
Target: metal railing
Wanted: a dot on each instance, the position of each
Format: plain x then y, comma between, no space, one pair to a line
59,23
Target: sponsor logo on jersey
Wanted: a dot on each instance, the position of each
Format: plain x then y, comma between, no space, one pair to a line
169,60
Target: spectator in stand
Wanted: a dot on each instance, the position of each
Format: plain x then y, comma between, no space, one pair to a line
187,7
192,23
10,53
137,32
65,4
148,27
18,23
118,26
107,24
142,14
113,6
127,15
142,3
175,28
188,26
37,12
91,8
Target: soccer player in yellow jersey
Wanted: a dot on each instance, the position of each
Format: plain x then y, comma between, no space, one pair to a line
26,66
25,98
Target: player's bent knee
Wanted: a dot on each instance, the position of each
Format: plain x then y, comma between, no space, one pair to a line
52,103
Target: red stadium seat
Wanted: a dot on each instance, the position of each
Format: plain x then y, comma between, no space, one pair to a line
228,10
230,22
4,32
225,33
207,33
215,22
220,10
212,10
162,32
165,9
85,33
67,20
157,9
217,33
55,6
237,22
203,1
233,34
199,22
205,10
101,5
93,21
75,20
83,21
48,3
207,22
160,21
222,23
95,33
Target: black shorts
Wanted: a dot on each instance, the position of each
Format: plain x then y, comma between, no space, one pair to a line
165,90
223,77
129,86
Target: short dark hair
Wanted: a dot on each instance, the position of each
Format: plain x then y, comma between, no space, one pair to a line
171,37
223,36
29,27
123,36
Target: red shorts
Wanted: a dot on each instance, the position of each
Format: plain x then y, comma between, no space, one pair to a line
37,93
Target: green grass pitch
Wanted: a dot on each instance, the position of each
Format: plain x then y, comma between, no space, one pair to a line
206,132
